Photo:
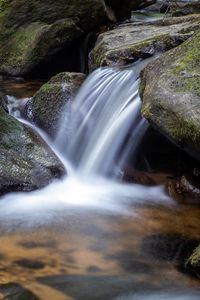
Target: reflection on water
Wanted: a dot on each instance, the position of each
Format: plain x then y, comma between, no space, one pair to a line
98,240
19,88
96,255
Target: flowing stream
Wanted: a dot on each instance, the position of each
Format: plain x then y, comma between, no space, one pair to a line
91,235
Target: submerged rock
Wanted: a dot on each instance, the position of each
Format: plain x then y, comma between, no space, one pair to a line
186,189
129,42
14,291
26,162
47,106
171,95
33,32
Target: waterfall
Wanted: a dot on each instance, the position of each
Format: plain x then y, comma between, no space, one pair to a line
98,132
96,125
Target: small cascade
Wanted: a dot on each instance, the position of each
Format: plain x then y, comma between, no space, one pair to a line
100,129
96,126
15,106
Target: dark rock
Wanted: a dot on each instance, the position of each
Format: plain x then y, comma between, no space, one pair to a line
171,95
128,42
47,106
123,8
185,8
27,163
3,102
185,189
14,291
33,32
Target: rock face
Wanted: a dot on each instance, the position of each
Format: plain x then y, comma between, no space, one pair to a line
171,95
26,162
48,104
185,8
32,32
128,42
123,8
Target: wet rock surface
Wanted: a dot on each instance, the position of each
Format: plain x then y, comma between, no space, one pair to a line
128,42
47,106
33,32
27,162
170,92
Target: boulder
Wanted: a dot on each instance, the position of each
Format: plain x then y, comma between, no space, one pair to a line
171,95
26,162
47,106
185,8
123,8
129,42
32,32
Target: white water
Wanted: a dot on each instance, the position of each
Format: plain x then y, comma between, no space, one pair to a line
103,118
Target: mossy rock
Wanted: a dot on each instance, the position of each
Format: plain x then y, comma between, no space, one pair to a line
32,31
48,104
171,95
193,263
27,163
128,42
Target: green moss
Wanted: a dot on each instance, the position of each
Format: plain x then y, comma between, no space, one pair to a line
146,111
142,88
20,44
186,70
187,130
194,259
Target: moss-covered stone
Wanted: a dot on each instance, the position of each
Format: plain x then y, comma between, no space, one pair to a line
26,162
47,106
33,31
193,263
171,97
127,43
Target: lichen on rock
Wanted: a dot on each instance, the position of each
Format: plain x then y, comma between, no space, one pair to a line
171,98
47,105
27,162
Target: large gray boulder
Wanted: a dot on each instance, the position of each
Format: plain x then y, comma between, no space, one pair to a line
170,89
128,42
48,104
32,32
27,163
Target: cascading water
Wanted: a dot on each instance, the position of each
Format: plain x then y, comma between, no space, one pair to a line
103,113
90,236
101,127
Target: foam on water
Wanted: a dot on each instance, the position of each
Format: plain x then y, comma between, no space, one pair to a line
90,141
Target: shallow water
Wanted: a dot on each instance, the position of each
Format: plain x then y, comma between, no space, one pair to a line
91,253
92,238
